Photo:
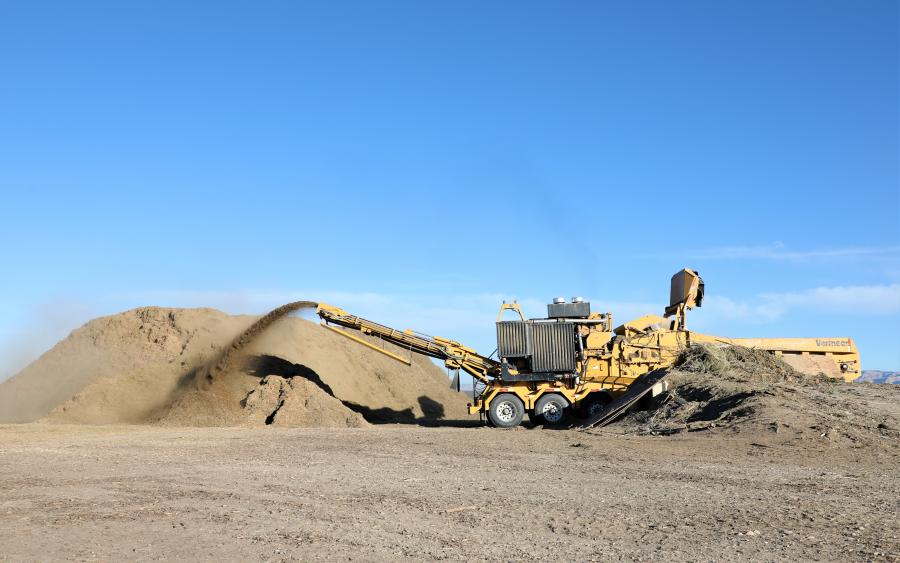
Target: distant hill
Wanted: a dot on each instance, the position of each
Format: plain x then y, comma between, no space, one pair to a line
875,376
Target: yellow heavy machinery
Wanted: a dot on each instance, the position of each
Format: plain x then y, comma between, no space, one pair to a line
576,361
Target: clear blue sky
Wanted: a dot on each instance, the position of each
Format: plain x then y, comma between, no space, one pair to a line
420,161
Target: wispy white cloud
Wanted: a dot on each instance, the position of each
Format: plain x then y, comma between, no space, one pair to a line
851,299
448,314
412,311
718,309
859,300
779,252
425,312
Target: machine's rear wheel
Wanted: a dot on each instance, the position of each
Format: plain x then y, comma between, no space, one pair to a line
551,408
506,410
595,404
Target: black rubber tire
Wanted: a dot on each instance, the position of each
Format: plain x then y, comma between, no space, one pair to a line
558,408
594,404
506,410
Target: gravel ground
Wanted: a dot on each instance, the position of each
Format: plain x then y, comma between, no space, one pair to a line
408,492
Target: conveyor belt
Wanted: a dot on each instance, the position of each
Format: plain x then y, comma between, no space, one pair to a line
454,354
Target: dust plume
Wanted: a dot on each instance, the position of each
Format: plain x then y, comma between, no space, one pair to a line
224,362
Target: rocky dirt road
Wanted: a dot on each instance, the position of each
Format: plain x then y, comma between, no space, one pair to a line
407,492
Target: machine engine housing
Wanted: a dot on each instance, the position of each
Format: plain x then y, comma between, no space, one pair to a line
545,347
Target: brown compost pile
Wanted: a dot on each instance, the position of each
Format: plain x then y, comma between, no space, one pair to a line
191,367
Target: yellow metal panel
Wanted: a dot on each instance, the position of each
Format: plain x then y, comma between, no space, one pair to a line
842,345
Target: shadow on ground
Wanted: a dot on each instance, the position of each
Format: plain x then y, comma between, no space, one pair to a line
433,412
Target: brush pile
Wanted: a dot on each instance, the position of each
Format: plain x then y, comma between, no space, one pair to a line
740,390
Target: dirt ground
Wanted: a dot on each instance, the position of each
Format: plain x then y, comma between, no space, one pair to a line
390,492
270,443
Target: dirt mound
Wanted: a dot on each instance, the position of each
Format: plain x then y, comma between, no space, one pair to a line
204,367
298,402
119,368
740,390
239,399
363,381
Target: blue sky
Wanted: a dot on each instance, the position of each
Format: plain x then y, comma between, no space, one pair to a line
421,161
